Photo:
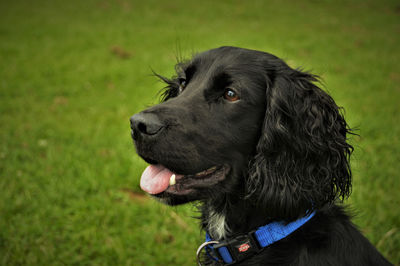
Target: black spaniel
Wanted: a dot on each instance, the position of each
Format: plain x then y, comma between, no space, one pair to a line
265,152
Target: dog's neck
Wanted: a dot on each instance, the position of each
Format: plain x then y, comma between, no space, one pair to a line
231,217
217,225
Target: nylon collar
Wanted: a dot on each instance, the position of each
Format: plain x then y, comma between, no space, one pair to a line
241,247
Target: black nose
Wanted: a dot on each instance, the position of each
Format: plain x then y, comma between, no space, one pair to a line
145,124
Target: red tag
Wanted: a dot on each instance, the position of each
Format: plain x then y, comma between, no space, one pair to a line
244,247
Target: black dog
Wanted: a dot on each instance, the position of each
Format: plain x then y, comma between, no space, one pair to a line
265,152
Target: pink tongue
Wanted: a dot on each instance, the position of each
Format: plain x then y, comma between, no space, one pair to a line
155,179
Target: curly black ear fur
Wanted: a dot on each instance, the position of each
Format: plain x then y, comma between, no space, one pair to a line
302,157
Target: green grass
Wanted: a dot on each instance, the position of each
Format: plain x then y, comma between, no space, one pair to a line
69,175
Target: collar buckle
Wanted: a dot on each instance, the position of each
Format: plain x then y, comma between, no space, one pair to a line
240,247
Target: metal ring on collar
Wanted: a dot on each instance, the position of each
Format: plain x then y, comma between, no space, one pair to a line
201,247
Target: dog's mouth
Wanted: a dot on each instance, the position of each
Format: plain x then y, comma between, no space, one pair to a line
157,179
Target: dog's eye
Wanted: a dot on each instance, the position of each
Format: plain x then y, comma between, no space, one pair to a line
231,95
182,84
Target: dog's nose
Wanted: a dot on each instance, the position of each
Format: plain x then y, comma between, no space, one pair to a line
145,124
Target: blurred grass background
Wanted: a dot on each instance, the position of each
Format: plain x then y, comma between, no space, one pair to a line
73,72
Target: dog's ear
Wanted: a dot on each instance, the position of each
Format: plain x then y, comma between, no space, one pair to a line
302,157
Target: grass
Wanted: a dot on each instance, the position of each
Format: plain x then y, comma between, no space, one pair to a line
73,72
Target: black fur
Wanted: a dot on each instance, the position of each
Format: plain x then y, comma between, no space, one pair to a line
281,150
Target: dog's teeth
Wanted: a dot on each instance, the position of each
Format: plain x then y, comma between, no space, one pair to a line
172,180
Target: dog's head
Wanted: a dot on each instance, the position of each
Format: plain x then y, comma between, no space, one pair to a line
242,123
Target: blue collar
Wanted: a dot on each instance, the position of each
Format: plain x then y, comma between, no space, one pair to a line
241,247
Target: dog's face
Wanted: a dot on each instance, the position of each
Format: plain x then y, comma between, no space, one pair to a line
207,128
242,124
